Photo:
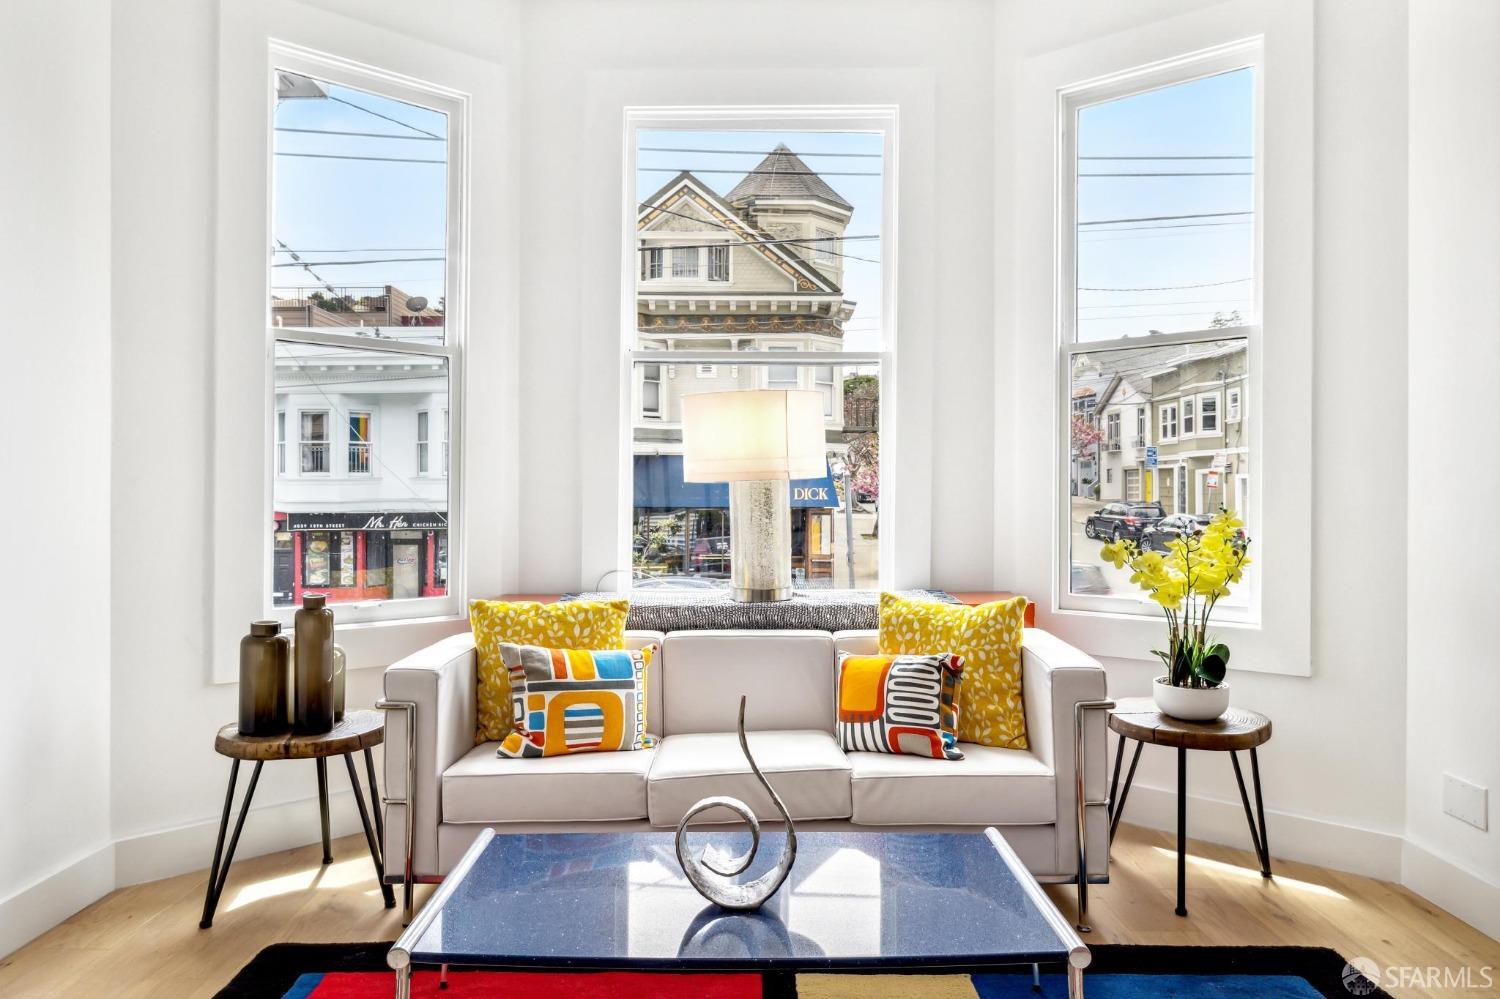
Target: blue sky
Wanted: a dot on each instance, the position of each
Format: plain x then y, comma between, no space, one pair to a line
1211,117
861,278
331,210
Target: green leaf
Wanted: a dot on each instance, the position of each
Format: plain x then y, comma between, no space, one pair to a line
1212,665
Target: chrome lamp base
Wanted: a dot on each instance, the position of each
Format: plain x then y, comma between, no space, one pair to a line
760,540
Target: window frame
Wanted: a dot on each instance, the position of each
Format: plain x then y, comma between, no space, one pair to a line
304,442
877,118
1176,417
1234,404
351,445
1218,427
291,58
424,442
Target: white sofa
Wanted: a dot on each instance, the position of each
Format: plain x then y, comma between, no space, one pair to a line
441,789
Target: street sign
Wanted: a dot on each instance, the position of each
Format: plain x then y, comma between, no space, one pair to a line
1151,456
1211,480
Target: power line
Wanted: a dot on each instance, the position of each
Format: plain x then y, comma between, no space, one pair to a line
747,242
1149,315
377,159
384,117
372,249
1166,157
747,152
769,173
1152,305
361,135
1165,218
1173,287
1214,173
316,276
350,263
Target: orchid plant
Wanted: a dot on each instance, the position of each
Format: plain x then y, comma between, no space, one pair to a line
1187,580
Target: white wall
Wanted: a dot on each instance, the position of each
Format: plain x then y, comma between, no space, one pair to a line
55,257
1453,683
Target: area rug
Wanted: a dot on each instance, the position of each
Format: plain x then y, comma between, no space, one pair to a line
358,971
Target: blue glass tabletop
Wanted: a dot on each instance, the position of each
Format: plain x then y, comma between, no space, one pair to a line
854,899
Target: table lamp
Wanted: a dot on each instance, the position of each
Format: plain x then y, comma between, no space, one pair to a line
756,441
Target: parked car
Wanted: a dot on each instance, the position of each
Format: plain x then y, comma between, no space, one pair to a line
1086,578
1160,534
1115,521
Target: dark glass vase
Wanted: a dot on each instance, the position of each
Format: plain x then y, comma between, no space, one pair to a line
314,656
265,680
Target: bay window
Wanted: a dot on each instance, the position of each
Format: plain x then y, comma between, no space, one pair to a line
783,215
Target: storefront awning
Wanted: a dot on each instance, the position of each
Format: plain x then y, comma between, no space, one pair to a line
420,520
659,486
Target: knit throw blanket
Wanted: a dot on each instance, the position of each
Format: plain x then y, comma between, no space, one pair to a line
704,610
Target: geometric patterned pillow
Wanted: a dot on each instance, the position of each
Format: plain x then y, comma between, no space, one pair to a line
574,624
988,637
575,700
899,704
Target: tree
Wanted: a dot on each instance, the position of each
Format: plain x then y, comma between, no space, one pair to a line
1220,321
863,460
1085,436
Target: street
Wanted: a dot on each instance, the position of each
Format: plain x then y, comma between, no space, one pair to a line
1085,552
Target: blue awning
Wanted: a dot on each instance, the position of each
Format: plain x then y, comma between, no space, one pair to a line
659,486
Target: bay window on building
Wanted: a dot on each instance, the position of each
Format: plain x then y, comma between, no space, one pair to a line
366,343
1160,306
751,242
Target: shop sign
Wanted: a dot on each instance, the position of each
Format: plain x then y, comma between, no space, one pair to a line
417,521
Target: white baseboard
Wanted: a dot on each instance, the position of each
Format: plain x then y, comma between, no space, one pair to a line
165,853
1466,894
33,911
1294,837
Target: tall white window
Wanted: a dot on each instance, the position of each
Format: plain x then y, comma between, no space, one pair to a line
732,196
651,264
1158,285
365,321
281,442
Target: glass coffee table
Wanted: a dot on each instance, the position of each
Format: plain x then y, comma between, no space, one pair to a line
854,901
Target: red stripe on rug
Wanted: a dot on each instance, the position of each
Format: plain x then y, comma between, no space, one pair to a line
542,985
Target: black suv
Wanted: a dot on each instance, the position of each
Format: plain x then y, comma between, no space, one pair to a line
1115,521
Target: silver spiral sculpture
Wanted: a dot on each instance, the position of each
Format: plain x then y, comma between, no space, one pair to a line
710,872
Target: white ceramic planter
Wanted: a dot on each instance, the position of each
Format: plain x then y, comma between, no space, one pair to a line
1188,703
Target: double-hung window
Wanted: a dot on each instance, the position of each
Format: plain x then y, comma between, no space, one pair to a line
731,198
1158,285
362,337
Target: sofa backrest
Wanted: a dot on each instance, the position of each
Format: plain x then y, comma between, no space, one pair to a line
639,640
787,676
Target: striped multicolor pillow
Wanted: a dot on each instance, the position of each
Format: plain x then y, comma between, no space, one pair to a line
575,701
900,704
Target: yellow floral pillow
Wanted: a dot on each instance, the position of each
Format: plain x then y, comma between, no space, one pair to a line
988,637
570,624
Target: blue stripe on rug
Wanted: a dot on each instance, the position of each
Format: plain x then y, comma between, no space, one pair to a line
1148,986
304,985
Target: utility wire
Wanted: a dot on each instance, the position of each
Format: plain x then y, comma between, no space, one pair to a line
375,159
748,152
768,173
350,263
1215,173
385,117
1165,218
1152,305
768,242
373,249
1166,157
360,135
1172,287
316,276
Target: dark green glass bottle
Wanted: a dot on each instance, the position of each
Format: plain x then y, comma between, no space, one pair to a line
314,656
265,680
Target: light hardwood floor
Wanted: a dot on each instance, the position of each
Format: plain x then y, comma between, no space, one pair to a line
144,940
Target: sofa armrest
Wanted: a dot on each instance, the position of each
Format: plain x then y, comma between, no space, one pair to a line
1055,677
440,682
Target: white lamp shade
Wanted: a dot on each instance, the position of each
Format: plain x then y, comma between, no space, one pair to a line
742,436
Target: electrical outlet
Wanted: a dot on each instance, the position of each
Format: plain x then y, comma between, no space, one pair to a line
1465,801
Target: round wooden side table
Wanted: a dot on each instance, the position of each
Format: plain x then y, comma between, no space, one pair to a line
1138,718
359,731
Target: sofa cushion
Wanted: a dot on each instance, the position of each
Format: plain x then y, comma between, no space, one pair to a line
579,787
576,700
788,676
806,768
988,786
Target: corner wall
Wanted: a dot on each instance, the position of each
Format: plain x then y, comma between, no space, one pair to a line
1453,477
55,849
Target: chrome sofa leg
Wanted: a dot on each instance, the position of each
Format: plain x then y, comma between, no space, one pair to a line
1079,772
408,881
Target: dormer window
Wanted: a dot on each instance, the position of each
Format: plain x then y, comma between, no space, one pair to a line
718,263
823,248
651,264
